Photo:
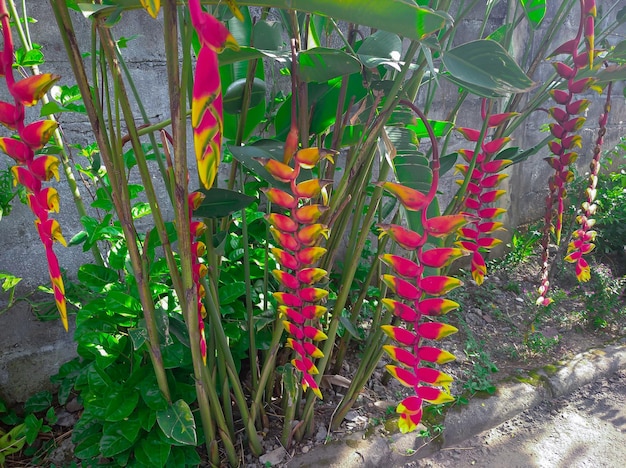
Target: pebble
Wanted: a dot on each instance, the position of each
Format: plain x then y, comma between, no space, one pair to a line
321,434
306,449
73,406
274,457
351,416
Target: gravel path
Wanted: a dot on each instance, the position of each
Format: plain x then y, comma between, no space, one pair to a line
586,429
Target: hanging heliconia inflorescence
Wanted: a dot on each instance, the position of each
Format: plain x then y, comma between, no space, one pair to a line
583,237
32,167
200,270
206,107
419,297
568,121
297,233
482,190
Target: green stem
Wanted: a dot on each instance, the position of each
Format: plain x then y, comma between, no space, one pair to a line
224,353
120,194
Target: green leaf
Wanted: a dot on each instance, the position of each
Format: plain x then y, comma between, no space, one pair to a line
611,73
219,203
32,427
246,155
151,395
447,162
500,34
119,437
535,11
350,328
267,35
440,128
229,293
38,402
96,276
402,17
121,405
485,65
617,53
233,97
120,302
323,99
381,48
152,451
177,423
9,282
321,64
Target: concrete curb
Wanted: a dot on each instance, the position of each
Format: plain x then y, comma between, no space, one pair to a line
462,422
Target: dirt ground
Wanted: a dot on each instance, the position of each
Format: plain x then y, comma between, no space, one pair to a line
586,429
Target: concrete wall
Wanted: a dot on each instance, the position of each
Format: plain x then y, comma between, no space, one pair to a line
26,342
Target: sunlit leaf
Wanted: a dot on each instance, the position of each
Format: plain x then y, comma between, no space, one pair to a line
486,65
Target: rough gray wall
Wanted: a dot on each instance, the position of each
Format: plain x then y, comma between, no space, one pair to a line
21,337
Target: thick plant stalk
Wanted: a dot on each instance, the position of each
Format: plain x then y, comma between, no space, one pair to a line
189,299
121,198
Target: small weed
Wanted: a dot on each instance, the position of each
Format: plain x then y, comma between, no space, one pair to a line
538,343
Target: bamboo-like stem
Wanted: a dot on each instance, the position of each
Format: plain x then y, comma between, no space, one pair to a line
120,194
188,299
144,116
224,353
111,51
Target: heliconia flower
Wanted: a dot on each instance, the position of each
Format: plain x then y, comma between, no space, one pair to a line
310,255
23,176
31,89
45,168
439,285
10,115
443,226
436,306
435,355
435,330
280,198
310,235
37,134
291,143
308,158
309,214
568,122
401,310
57,285
401,287
211,32
280,171
206,107
311,188
584,236
411,199
407,239
31,171
481,190
282,222
402,266
47,199
18,150
298,233
410,410
312,294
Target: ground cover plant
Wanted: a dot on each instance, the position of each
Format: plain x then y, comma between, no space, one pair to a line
217,319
